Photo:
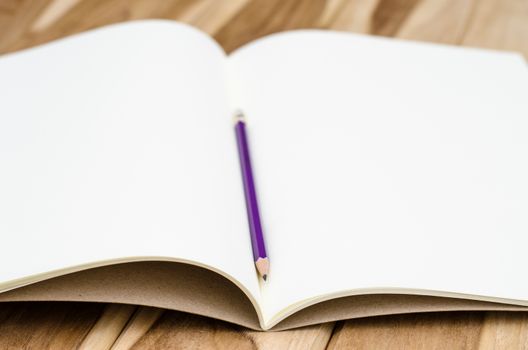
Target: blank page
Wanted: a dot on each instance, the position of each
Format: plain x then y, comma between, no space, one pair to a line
384,164
117,145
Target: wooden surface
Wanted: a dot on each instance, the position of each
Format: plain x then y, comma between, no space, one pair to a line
499,24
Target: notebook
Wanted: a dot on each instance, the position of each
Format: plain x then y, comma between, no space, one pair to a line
391,175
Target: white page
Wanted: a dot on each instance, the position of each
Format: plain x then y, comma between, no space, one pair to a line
387,164
117,144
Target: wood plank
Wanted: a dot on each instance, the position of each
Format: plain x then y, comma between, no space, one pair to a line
426,20
46,325
345,15
389,15
9,6
84,15
438,21
137,327
108,327
312,337
55,10
420,331
499,25
60,18
211,15
180,330
188,331
13,28
263,17
503,330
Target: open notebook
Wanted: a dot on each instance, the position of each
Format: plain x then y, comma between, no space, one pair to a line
392,175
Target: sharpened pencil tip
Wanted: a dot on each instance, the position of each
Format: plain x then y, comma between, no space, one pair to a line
262,265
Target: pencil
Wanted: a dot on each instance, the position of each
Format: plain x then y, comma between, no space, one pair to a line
255,227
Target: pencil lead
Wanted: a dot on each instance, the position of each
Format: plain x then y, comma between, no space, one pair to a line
265,277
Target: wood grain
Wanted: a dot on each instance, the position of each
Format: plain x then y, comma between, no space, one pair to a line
137,327
438,21
504,331
46,325
262,17
499,24
108,327
425,331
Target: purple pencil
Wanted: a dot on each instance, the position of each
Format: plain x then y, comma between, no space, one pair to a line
255,226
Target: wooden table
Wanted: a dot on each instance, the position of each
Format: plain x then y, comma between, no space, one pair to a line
499,24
